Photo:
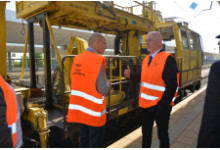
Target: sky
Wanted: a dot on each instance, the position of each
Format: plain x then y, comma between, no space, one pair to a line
202,19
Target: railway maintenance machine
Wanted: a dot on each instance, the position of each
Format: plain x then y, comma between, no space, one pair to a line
45,107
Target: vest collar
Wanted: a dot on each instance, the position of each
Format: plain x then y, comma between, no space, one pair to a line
91,50
155,53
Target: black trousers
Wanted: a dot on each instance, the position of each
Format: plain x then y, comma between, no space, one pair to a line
91,137
162,117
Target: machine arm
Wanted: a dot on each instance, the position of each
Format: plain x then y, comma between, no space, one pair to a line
89,15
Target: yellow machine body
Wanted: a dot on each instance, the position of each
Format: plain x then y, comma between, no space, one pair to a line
3,70
187,50
96,16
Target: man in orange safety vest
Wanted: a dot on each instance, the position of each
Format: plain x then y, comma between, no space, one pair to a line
10,126
89,86
158,89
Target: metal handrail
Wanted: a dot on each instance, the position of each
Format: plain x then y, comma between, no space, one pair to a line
63,92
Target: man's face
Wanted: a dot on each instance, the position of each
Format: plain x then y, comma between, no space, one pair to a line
101,46
153,44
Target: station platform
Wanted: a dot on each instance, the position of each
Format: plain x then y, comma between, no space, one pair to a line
184,125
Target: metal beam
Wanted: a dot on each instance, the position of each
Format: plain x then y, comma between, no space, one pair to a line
32,54
47,62
9,61
3,65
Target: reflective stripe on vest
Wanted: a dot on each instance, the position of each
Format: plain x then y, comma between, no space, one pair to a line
175,94
178,76
13,128
148,97
152,98
86,110
87,96
153,87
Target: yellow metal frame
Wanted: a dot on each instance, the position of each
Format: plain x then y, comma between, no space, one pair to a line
116,96
81,46
3,65
42,127
54,42
83,14
24,9
24,55
122,111
39,118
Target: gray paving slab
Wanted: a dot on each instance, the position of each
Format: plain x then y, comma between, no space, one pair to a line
179,126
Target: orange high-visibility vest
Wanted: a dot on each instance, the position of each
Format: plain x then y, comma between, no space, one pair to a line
152,83
11,112
86,105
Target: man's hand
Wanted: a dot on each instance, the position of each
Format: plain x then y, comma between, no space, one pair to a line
127,72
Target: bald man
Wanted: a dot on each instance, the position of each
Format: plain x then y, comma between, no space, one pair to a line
89,85
157,89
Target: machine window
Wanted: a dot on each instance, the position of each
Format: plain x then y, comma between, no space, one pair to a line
198,42
191,41
184,40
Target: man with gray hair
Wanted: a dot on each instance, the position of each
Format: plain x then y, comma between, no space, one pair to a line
89,85
157,90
